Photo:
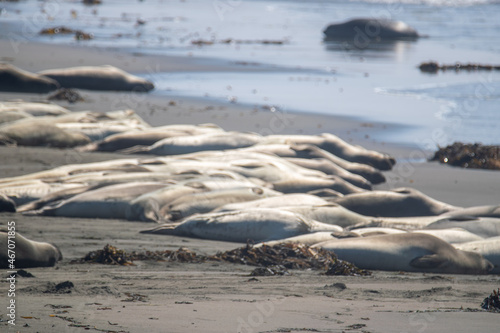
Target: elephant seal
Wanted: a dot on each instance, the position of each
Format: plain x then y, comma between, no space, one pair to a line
409,252
488,248
257,225
11,116
403,223
198,203
308,239
98,78
362,30
28,253
13,79
35,133
401,202
332,169
375,231
309,151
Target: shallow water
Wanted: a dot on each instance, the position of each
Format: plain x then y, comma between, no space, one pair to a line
380,83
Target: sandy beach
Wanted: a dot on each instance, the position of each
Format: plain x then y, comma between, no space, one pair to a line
221,297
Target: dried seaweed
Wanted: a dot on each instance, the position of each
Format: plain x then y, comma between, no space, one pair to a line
109,255
65,94
492,302
434,67
290,256
181,255
276,259
475,156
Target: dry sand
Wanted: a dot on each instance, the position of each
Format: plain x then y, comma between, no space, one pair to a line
218,297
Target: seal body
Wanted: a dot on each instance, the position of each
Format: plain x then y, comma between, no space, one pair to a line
409,252
13,79
28,252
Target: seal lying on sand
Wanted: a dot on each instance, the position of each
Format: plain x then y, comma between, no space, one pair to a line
34,109
98,78
363,30
28,253
111,201
13,79
256,225
409,252
482,226
401,202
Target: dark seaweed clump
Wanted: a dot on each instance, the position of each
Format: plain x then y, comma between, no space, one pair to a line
434,67
492,302
476,156
277,258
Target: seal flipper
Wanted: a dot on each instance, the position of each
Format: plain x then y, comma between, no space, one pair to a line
429,261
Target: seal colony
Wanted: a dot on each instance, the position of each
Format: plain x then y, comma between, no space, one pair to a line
201,181
103,78
362,29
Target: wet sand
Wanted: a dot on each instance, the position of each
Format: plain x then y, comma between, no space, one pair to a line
220,297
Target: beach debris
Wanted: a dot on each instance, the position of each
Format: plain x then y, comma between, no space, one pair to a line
474,156
492,302
92,2
201,42
60,288
109,255
80,35
433,67
275,259
66,94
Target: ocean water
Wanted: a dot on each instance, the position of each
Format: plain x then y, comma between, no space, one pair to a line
379,83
